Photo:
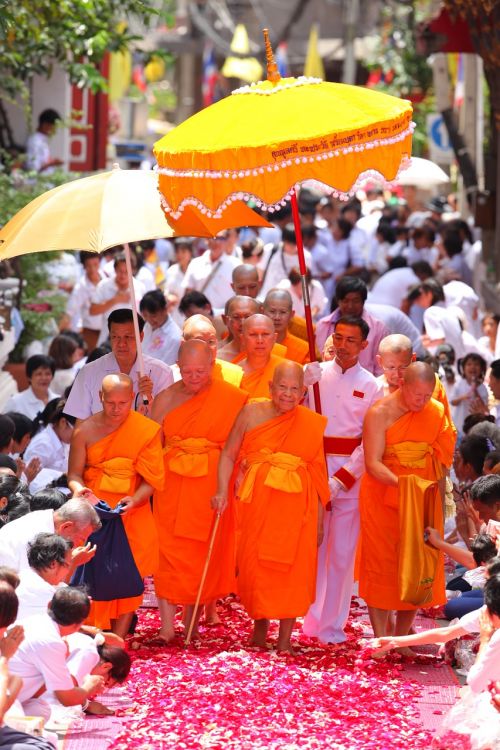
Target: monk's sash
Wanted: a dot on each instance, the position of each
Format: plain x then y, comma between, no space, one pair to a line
282,473
116,474
413,455
190,455
419,507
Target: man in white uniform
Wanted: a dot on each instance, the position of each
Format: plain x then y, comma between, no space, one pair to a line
49,558
212,272
161,335
83,401
75,521
113,294
347,391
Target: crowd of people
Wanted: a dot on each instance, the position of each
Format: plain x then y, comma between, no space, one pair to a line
209,468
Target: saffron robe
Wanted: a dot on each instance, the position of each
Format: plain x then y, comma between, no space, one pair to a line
115,467
418,443
296,349
195,433
228,371
256,384
284,477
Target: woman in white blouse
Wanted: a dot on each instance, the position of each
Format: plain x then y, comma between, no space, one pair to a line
51,443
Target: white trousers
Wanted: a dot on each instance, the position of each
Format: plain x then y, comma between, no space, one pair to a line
328,615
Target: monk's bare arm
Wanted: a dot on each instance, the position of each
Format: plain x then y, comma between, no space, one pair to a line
374,445
159,406
140,497
228,458
77,460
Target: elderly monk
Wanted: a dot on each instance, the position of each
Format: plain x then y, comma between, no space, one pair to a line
246,280
117,454
281,497
238,309
202,328
258,360
395,355
278,306
196,415
408,443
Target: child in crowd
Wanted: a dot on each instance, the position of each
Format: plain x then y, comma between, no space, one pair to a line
469,388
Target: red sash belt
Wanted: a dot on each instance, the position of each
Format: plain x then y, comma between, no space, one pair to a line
340,446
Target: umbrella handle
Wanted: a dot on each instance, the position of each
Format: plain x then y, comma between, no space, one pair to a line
140,359
305,293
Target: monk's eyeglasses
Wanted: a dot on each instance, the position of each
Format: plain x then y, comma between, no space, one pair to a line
402,368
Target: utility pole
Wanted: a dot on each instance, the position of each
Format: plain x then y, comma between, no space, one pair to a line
351,20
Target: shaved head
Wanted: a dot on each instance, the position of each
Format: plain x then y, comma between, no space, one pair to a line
419,372
258,320
289,369
278,295
115,381
194,350
195,325
241,301
396,343
246,280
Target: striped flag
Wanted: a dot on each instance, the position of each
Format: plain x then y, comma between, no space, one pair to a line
210,75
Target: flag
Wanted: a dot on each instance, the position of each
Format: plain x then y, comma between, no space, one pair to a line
282,60
458,99
243,66
210,75
314,64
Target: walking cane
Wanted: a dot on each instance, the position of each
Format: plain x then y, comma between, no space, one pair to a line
202,582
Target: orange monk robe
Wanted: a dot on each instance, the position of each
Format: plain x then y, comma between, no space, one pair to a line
256,384
227,371
296,349
418,443
277,507
439,394
194,435
279,350
115,467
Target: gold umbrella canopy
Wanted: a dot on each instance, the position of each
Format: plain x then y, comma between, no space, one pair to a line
264,139
101,211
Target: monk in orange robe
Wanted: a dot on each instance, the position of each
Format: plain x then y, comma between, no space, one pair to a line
117,455
281,496
407,440
278,306
196,415
237,310
200,327
395,354
259,361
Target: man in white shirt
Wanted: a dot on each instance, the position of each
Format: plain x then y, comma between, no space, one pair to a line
278,260
40,660
49,559
75,521
37,148
161,335
441,324
113,294
347,391
397,322
84,397
79,302
211,273
394,285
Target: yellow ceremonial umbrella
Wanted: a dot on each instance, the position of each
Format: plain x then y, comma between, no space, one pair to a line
264,139
107,209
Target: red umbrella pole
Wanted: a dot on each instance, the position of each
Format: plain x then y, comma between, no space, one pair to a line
305,294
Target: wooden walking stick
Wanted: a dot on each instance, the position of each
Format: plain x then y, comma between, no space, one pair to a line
202,582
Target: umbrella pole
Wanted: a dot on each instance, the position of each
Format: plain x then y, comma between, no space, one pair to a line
140,360
305,293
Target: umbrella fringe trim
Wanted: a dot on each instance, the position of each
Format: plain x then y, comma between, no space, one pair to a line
369,174
261,169
253,87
